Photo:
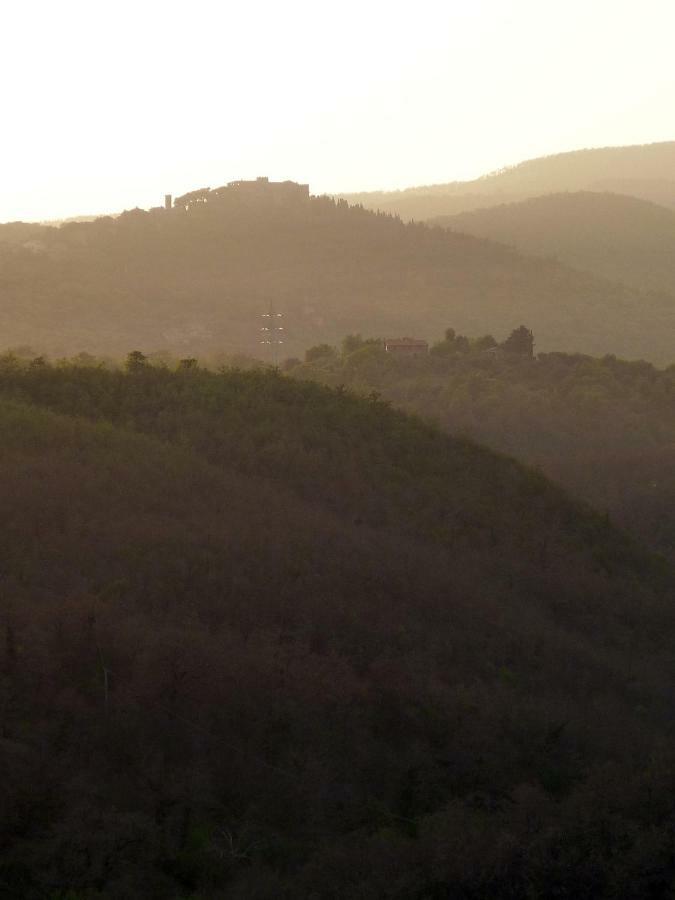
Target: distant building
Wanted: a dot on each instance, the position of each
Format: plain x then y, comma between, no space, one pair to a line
406,346
264,189
259,191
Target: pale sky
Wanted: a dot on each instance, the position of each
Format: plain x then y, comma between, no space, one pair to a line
109,104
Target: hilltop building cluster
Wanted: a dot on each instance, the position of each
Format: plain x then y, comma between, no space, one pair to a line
260,190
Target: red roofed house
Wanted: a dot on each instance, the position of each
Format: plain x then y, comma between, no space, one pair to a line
406,346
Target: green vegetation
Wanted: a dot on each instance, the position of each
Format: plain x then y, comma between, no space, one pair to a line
195,282
616,237
605,428
265,639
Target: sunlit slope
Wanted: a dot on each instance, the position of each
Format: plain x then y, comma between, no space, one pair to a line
644,171
197,282
614,236
270,607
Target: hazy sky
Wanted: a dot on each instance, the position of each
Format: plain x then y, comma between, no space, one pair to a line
108,105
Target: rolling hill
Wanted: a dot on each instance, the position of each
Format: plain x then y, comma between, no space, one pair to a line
644,171
604,428
265,639
196,282
616,237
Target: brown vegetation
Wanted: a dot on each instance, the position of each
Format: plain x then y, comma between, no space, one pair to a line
264,639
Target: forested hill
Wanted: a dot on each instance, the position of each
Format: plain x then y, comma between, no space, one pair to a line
615,236
604,427
265,639
645,171
197,281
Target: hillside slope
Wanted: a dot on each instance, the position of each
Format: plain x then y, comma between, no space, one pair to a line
242,654
644,171
605,428
196,282
614,236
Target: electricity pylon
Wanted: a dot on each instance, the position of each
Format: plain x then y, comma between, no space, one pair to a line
272,333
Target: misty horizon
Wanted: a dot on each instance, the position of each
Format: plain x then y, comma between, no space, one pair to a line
352,192
370,99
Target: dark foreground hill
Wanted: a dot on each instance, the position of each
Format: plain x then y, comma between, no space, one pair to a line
196,282
261,639
644,171
614,236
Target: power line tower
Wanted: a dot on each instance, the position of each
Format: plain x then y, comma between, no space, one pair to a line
272,333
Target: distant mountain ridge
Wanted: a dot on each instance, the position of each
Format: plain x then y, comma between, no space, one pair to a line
615,236
646,171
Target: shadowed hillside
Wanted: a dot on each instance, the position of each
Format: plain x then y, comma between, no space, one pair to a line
614,236
644,171
263,639
605,428
197,281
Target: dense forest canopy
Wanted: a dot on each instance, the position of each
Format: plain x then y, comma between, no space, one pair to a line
604,427
288,631
644,171
262,638
617,237
196,282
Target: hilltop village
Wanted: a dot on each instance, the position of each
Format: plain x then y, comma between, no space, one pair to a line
259,191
